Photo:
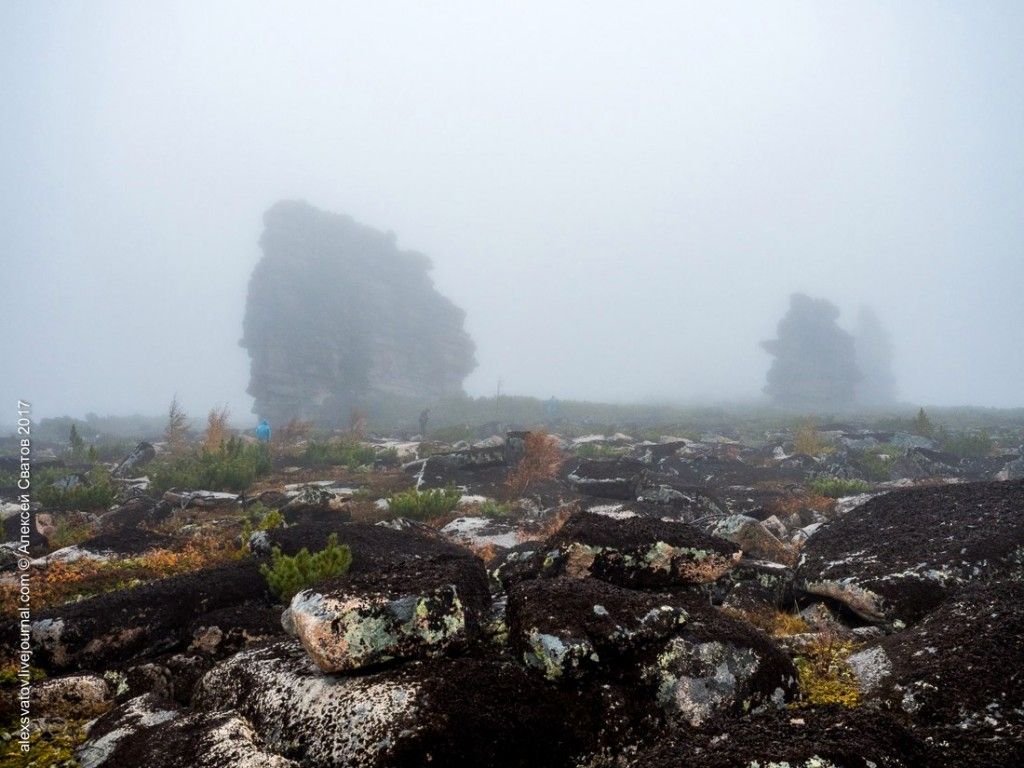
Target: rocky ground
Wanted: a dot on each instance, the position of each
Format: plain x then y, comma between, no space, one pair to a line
529,600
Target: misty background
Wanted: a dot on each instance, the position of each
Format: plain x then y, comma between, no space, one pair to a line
620,196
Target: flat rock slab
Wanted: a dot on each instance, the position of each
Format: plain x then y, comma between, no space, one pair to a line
144,620
897,556
820,737
960,671
456,712
608,478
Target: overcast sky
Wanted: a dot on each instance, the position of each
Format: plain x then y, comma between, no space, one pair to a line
621,196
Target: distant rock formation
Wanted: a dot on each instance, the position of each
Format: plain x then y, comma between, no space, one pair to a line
338,318
874,359
814,362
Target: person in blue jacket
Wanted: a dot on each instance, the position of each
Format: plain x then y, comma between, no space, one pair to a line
263,431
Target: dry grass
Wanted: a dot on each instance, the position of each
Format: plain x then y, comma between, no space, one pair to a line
808,440
784,507
292,433
549,526
541,461
825,678
774,623
60,581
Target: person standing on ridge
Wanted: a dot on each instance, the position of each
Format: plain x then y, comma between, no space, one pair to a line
424,416
263,431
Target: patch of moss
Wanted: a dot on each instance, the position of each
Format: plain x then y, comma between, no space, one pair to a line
824,676
53,748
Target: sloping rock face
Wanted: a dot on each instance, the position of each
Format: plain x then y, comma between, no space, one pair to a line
140,621
958,675
820,737
338,317
147,731
453,713
899,555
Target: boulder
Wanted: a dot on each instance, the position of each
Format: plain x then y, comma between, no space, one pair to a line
957,673
453,712
137,458
405,596
148,733
147,619
72,697
753,538
637,552
897,556
687,657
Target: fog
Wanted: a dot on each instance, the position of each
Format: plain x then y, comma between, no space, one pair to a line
621,197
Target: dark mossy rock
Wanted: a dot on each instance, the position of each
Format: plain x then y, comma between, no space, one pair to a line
640,552
958,673
819,737
145,620
673,650
897,556
149,732
454,712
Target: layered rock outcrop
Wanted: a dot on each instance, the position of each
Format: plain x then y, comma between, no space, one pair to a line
338,317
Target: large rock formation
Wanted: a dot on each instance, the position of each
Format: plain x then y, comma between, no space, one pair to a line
874,359
338,317
814,362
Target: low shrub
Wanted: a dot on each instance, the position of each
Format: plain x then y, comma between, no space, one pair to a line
598,451
423,505
287,575
97,493
966,445
541,461
495,509
347,453
836,487
234,468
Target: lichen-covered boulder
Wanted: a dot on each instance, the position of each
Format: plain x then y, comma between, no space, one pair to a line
637,552
405,596
899,555
148,733
578,627
73,697
818,737
144,620
756,585
751,536
453,712
957,673
690,659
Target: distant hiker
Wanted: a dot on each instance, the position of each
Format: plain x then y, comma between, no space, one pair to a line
263,431
424,416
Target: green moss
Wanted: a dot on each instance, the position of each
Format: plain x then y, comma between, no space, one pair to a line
54,749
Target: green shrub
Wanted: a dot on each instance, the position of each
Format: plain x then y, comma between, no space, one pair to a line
975,445
234,468
348,453
423,505
259,518
98,493
494,509
875,467
598,451
287,575
835,487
